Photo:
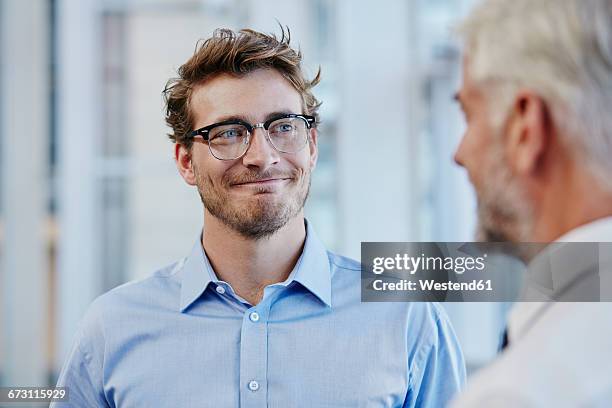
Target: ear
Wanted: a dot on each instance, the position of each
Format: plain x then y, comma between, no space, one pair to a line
313,147
182,157
529,132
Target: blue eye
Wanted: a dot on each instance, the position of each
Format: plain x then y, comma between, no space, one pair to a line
283,127
286,127
227,134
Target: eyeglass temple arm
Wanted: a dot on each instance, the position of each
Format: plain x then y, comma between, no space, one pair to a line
202,133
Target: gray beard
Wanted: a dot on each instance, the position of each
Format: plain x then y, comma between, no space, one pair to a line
504,213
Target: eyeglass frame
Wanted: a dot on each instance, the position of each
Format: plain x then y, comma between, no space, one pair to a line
203,132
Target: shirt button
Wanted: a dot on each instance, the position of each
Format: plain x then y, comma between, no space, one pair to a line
253,385
254,316
220,289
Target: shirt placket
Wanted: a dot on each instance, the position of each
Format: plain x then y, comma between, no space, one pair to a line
254,357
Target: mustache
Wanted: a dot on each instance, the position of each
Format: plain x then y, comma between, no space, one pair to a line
254,176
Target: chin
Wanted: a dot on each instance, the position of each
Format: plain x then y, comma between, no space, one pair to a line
488,234
495,226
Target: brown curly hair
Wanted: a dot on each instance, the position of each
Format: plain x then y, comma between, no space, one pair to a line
237,54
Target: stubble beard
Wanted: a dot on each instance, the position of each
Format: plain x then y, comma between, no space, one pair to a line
504,211
258,216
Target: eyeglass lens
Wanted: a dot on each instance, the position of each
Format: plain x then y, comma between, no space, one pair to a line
287,135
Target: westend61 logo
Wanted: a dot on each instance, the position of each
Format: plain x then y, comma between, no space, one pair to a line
412,264
431,271
424,271
485,271
405,263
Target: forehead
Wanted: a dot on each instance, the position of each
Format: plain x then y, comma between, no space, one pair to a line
252,96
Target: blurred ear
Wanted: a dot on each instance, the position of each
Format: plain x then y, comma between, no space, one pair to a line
529,133
313,147
182,157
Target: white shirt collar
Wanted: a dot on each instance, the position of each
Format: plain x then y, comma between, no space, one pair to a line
523,314
596,231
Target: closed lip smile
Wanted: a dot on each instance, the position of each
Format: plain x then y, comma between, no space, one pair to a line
262,182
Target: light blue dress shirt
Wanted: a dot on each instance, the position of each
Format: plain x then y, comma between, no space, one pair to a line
183,338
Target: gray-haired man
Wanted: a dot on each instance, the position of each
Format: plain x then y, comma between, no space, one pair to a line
537,92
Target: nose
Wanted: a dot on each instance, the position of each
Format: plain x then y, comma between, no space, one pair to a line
260,152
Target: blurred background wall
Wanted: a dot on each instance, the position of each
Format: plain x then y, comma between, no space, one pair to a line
89,194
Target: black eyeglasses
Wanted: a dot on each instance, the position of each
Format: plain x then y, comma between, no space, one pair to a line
230,139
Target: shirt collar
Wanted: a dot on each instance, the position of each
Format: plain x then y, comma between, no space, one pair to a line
524,314
597,231
312,270
197,275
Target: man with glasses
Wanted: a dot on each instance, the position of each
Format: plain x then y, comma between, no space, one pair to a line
259,313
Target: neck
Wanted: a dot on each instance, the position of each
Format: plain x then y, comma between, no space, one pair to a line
250,265
575,199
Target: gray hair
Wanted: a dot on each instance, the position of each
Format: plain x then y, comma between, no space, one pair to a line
561,49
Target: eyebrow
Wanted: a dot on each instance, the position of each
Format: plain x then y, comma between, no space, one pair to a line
228,118
280,113
457,98
245,119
